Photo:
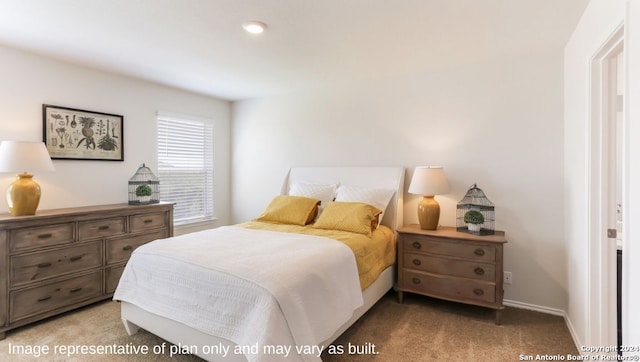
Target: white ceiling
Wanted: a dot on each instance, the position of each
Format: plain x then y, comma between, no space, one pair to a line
199,45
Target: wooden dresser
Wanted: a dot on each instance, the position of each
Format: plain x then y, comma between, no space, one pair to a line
451,265
62,259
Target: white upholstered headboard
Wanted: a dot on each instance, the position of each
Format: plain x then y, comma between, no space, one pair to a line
370,177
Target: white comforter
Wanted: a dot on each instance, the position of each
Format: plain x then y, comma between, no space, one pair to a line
248,286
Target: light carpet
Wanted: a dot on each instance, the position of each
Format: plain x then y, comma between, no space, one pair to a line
420,329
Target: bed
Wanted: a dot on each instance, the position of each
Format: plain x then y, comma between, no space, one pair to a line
298,318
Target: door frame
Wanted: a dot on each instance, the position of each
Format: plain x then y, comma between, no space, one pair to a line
602,251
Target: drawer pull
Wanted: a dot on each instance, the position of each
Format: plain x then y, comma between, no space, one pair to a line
45,236
478,271
416,262
127,248
416,245
415,280
103,227
44,265
478,291
75,258
479,252
43,299
75,290
148,221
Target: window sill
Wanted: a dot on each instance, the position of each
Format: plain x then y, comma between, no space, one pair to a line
195,226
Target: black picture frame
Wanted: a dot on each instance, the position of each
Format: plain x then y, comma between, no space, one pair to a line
78,134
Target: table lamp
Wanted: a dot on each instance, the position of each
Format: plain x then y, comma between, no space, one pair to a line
428,181
23,195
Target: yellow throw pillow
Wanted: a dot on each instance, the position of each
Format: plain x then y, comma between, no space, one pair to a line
356,217
296,210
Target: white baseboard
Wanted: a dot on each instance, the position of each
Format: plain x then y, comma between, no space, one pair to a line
547,310
574,335
533,307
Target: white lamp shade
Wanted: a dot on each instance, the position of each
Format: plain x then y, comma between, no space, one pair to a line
429,180
18,156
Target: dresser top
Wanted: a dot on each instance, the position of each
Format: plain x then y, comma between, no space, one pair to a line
452,233
5,216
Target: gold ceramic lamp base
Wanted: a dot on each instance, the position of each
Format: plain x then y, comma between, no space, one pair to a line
23,195
428,213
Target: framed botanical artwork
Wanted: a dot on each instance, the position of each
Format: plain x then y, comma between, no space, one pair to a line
77,134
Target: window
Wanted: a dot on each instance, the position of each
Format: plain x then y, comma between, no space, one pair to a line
185,166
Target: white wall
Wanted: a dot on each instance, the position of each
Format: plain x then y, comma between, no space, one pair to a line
599,22
497,123
27,81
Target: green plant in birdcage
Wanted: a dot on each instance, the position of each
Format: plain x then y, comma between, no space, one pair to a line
143,187
474,220
473,217
144,190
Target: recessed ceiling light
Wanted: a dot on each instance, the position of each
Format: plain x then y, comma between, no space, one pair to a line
254,27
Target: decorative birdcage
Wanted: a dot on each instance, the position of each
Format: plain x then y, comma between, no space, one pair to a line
144,187
475,214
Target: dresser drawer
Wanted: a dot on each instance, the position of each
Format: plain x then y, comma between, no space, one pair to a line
112,278
43,236
458,289
25,303
120,249
101,228
36,266
449,248
148,221
452,267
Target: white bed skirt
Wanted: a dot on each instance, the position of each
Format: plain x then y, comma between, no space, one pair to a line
209,347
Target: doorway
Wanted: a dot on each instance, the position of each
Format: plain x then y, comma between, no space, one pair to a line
606,186
615,173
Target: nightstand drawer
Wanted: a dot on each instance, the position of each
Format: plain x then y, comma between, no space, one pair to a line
448,248
120,249
148,221
452,267
101,228
37,237
49,297
36,266
463,290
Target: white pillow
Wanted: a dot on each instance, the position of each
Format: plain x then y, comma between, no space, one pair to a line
324,192
378,198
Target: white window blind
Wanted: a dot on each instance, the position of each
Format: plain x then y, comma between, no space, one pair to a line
185,166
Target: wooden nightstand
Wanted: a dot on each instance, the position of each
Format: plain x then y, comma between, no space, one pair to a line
451,265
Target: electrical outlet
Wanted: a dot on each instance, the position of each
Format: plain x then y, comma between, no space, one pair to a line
508,278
